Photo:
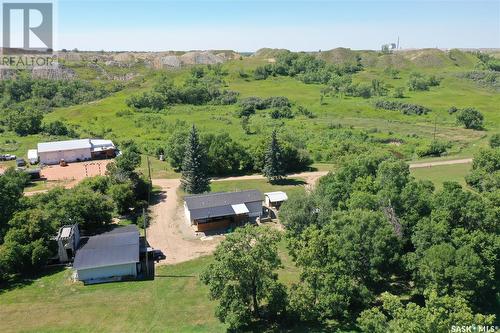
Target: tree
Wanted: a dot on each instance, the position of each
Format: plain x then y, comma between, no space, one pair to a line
195,177
123,196
470,118
344,264
273,167
439,315
176,148
243,277
12,185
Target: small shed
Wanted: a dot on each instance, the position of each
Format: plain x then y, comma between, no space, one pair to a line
110,256
275,199
67,239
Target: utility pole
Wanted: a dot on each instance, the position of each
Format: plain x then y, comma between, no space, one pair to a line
435,127
145,239
150,181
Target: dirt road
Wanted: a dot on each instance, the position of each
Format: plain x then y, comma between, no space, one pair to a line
438,163
169,231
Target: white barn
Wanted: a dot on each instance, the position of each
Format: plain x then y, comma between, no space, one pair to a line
74,150
70,151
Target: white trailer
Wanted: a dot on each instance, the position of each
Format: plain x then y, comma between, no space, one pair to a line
33,156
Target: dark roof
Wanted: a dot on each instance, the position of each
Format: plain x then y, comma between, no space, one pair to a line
212,200
119,246
218,204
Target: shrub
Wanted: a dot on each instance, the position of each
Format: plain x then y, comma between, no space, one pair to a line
399,92
419,81
260,73
305,112
452,110
495,140
405,108
281,112
435,148
470,118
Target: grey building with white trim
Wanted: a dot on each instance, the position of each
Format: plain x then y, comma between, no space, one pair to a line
113,255
222,210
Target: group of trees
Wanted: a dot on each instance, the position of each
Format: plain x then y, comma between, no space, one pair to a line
419,82
24,100
199,158
224,156
280,107
374,247
200,88
27,224
306,68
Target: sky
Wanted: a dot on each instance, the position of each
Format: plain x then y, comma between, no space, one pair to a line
247,25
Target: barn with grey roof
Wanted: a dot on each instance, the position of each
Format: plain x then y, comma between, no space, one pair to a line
113,254
212,211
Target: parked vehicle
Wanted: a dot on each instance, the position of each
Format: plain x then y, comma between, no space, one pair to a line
7,157
158,255
33,173
20,162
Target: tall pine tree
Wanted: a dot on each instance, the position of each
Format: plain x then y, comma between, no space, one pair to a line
195,177
273,167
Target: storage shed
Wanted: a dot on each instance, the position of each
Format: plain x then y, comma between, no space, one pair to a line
109,256
222,210
275,199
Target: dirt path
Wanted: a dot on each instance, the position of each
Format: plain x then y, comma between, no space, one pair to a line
169,231
438,163
310,177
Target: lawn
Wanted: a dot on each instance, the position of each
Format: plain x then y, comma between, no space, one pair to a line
175,301
442,173
292,186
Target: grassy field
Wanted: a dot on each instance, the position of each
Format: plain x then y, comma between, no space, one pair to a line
442,173
175,301
111,118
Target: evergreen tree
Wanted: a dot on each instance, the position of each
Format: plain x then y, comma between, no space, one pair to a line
194,167
273,167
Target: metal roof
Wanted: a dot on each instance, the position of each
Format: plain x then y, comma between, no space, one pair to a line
220,204
45,147
240,209
221,199
116,247
276,196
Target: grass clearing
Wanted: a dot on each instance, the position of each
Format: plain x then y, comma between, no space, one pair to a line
442,173
292,186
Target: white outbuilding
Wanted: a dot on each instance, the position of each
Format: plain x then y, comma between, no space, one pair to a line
69,151
275,199
75,150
